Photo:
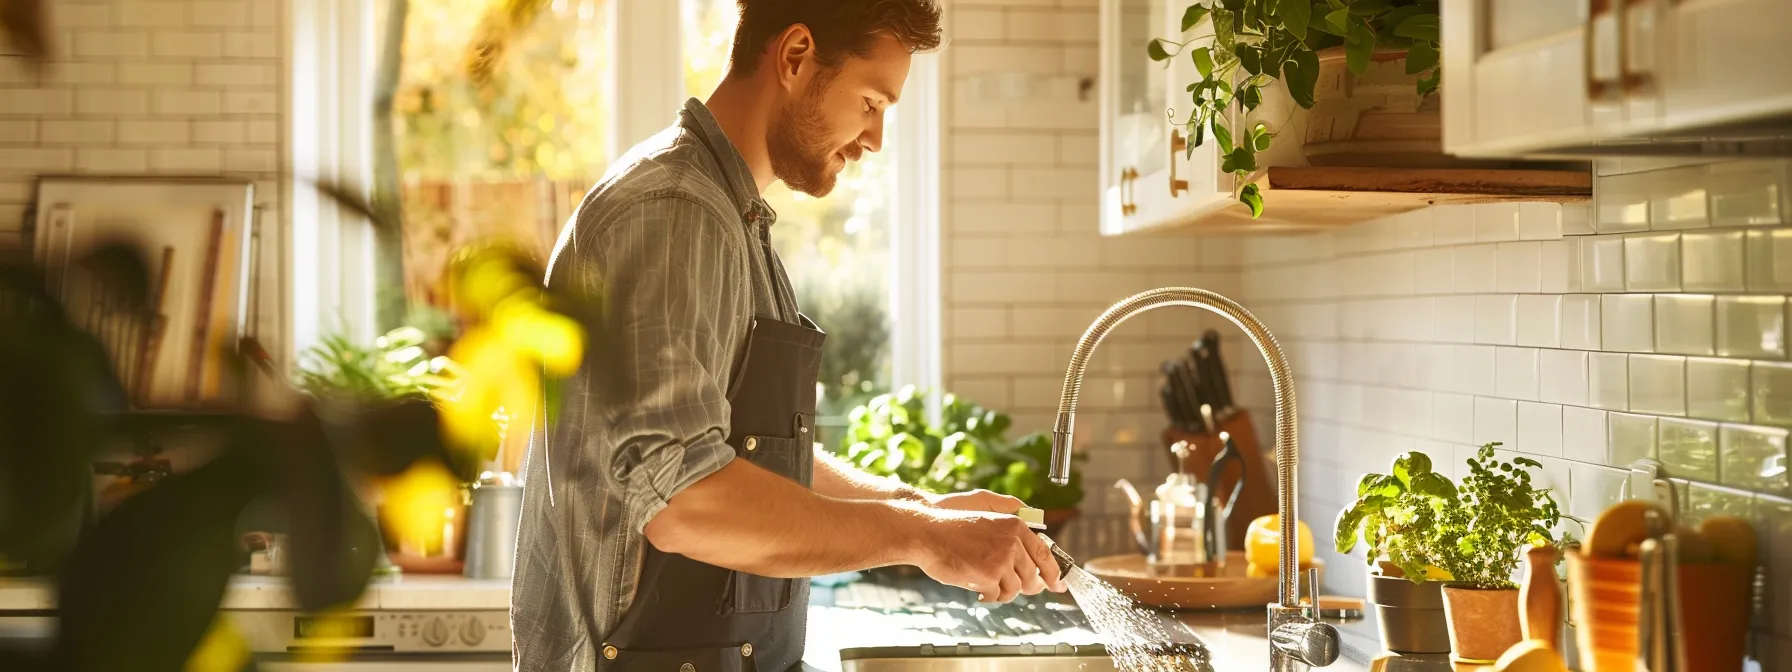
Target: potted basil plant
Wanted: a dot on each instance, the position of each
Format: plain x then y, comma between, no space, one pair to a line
1397,515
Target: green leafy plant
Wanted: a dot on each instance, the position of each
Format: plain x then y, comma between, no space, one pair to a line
1500,512
1420,521
1399,515
395,366
1258,42
891,436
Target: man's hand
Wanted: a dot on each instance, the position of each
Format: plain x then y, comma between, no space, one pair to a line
977,500
996,555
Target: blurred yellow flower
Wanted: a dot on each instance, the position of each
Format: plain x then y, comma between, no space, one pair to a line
222,649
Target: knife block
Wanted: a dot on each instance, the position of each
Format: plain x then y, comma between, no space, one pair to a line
1259,496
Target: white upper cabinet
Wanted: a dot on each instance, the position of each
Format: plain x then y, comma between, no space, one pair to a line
1612,77
1148,177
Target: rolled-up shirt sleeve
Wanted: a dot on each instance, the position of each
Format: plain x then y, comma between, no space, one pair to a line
677,305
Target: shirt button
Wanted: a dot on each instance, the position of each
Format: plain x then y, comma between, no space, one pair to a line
746,649
751,444
609,653
687,667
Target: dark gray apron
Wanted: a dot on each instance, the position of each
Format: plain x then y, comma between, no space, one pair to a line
688,616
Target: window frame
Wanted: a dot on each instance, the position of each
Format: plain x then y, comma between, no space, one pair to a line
332,52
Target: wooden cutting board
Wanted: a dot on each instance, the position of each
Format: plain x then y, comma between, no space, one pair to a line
1231,588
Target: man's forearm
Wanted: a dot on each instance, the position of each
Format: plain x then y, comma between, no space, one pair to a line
748,519
835,478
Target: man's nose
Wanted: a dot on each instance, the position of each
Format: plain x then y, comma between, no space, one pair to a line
873,137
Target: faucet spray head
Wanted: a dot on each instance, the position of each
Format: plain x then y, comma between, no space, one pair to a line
1061,448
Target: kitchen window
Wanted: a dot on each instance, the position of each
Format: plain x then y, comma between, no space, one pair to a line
510,156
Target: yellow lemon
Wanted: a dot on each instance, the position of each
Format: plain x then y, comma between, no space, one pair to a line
1257,571
1263,540
1531,655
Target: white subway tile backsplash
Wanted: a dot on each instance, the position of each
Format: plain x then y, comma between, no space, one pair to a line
1755,458
1751,326
1539,318
1658,384
1771,385
1496,420
1677,198
1770,260
1602,264
1583,434
1688,448
1627,322
1496,319
1435,271
1748,193
1476,268
1629,438
1577,219
1621,203
1561,266
1453,225
1539,221
1475,369
1711,261
1562,377
1515,373
1581,326
1596,489
1683,324
1496,222
1608,381
1455,319
1717,389
1540,429
1453,417
1652,262
1519,267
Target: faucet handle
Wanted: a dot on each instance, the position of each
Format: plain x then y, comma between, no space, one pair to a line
1315,644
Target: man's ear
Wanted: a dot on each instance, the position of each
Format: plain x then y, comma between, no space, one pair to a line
794,51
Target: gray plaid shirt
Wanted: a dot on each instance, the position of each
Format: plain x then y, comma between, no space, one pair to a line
678,245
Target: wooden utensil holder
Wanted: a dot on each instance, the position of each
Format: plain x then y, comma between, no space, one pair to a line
1714,612
1259,496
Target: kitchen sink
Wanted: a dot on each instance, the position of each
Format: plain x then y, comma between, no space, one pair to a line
1011,658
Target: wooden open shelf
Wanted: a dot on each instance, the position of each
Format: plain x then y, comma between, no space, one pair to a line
1297,200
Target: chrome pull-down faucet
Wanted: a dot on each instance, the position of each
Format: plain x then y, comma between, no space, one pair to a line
1297,637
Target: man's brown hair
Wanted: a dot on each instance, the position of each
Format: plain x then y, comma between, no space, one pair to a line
841,27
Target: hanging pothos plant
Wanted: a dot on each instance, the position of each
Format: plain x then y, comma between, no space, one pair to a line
1278,40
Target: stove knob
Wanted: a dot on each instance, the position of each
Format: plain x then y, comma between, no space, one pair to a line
473,632
436,633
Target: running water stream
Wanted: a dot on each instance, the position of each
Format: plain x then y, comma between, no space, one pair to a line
1135,636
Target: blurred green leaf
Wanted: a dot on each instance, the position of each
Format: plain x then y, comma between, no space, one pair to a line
1191,16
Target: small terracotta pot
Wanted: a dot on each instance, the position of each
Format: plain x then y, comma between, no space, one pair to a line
1483,623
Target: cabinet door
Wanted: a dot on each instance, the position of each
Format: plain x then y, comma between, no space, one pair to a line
1134,130
1722,60
1518,73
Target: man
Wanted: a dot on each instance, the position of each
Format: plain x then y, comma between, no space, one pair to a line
668,517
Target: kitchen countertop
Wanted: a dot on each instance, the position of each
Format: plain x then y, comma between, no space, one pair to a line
884,608
248,592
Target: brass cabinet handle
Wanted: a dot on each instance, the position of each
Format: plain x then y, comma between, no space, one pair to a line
1127,206
1639,82
1607,13
1178,144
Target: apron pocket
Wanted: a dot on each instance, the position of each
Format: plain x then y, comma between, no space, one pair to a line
755,594
791,458
751,593
717,659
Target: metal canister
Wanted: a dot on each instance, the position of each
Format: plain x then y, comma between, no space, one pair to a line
491,530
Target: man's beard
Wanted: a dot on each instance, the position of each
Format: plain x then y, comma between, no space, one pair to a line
798,144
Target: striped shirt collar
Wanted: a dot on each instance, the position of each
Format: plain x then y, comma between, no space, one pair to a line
742,187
